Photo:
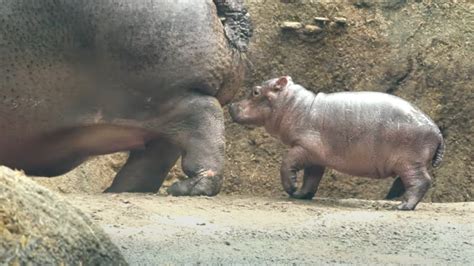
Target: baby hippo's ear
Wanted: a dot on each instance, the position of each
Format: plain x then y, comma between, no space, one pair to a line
282,82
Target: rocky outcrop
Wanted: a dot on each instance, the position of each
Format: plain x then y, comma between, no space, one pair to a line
236,21
37,227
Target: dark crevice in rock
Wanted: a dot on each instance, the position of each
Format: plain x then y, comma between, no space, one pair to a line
236,21
403,77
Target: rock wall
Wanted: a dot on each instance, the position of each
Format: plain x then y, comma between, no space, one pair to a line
419,50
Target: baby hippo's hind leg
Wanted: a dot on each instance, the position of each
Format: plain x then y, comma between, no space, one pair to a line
397,189
417,181
311,179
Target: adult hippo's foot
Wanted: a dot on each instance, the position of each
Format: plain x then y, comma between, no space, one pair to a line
194,130
206,184
200,134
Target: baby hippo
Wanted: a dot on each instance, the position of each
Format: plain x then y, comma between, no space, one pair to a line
369,134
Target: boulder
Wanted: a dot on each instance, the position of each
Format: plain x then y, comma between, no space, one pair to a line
38,227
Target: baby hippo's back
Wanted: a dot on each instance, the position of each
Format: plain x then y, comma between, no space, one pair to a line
373,134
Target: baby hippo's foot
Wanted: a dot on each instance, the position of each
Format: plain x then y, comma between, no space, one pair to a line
405,206
311,179
416,181
208,185
302,195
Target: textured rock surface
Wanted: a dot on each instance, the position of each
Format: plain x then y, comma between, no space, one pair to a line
38,227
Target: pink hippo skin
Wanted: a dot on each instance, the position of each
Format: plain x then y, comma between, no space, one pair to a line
369,134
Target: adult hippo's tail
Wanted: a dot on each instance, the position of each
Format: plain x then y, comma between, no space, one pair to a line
438,157
238,30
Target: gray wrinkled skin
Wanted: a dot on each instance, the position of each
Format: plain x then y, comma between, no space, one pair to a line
367,134
82,78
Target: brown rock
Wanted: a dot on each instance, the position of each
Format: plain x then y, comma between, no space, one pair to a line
312,29
38,227
291,25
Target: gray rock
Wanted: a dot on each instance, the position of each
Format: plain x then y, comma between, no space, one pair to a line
291,25
321,20
312,29
340,20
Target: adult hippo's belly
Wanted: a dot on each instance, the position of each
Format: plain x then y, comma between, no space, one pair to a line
83,78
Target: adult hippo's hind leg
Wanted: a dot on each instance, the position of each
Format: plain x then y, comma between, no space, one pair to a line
145,170
200,134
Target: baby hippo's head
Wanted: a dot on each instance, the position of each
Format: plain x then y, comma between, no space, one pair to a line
258,107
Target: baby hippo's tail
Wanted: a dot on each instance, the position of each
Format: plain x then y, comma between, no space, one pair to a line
438,157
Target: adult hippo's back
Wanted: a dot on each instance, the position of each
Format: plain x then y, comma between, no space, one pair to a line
82,78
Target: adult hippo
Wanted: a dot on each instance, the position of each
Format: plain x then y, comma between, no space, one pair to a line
83,78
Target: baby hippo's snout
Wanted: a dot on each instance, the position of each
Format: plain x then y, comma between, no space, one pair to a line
241,112
234,110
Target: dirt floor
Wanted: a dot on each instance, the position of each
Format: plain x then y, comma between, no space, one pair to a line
151,229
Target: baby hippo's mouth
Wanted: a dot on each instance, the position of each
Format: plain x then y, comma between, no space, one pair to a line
234,111
240,114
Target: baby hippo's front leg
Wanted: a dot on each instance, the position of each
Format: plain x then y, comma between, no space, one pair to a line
311,179
292,162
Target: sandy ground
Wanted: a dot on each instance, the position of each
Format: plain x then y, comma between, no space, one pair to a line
152,229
